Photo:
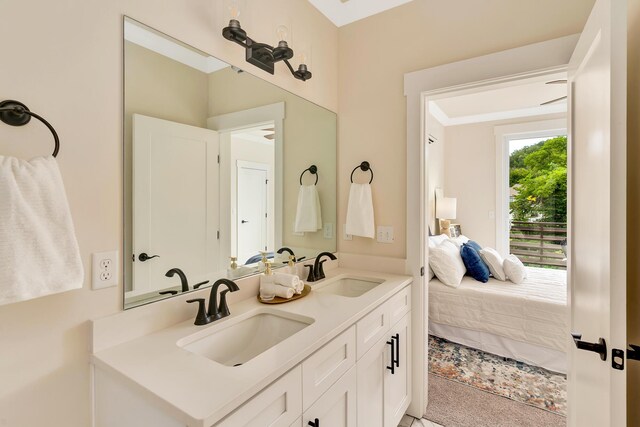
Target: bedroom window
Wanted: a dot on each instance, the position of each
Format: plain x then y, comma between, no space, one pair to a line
531,220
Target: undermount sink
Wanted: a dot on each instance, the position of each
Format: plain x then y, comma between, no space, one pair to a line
350,286
246,338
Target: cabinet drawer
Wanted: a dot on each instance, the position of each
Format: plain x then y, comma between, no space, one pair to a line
399,305
325,366
278,405
371,328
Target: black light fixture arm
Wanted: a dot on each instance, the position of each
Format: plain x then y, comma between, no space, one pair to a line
263,55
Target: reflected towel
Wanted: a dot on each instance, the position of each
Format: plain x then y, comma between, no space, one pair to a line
308,212
289,281
39,253
360,211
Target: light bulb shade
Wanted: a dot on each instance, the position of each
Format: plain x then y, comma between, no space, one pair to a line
282,32
446,207
233,9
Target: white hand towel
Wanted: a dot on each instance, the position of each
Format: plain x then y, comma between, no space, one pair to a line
39,253
289,281
360,211
308,212
283,291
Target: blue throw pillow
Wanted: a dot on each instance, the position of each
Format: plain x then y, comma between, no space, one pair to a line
476,267
474,245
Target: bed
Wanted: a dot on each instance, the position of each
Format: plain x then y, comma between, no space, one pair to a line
528,322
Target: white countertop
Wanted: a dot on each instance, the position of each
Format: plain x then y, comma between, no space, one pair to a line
198,391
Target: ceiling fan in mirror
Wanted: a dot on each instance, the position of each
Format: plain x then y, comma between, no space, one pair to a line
562,98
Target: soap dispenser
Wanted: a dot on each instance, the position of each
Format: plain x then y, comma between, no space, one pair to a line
232,271
291,266
267,284
262,265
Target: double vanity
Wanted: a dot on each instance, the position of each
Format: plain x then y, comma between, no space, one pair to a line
339,357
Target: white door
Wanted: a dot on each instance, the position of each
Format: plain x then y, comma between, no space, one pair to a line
175,213
371,370
597,216
397,383
252,196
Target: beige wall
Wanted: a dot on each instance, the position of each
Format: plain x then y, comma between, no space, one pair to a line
633,194
377,51
67,66
309,138
470,175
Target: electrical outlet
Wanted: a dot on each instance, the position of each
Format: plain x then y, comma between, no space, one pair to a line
328,230
104,269
384,234
346,236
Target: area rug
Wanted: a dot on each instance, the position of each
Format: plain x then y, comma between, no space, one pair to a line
453,404
508,378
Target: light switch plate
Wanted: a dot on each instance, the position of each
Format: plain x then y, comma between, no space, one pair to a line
328,230
384,234
104,270
346,236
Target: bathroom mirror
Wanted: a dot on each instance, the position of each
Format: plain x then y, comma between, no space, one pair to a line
214,158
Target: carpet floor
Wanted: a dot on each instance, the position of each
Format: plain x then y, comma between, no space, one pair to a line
508,378
452,404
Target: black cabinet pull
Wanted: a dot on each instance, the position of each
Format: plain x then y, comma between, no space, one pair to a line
315,423
144,257
600,347
392,368
396,338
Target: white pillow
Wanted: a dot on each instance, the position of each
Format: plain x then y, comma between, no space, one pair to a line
431,273
460,240
447,263
436,240
514,269
494,261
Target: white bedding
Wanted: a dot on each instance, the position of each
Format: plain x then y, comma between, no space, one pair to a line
534,311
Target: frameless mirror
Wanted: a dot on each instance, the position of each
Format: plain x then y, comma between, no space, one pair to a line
215,160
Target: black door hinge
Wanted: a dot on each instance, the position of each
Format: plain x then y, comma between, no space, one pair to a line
218,158
218,234
422,271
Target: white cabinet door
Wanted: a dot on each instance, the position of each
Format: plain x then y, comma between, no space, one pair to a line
279,405
337,407
371,376
397,383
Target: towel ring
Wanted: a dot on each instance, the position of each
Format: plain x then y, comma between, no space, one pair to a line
313,169
364,166
15,113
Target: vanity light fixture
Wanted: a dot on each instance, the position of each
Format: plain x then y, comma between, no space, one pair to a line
262,55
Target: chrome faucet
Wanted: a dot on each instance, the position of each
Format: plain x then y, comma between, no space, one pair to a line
184,283
215,311
316,271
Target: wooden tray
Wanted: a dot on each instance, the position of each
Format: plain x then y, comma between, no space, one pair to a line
279,300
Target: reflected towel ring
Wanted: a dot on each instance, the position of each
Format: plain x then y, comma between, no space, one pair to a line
364,166
313,169
15,113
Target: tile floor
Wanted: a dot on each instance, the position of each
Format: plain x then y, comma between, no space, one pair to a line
408,421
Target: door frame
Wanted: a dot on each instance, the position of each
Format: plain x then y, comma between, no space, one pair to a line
537,59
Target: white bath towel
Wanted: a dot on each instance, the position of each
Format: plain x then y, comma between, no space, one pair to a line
360,220
39,253
283,291
289,281
308,212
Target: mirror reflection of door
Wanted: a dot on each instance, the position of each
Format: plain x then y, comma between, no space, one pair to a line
251,153
252,196
173,216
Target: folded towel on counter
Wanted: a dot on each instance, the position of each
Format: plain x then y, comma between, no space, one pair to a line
289,281
283,291
360,211
308,212
39,253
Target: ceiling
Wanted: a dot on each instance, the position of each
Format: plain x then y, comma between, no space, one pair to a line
343,12
502,102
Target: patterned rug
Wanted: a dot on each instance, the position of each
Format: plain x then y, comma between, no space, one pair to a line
518,381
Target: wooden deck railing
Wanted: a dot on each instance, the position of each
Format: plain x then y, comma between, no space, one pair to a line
539,244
